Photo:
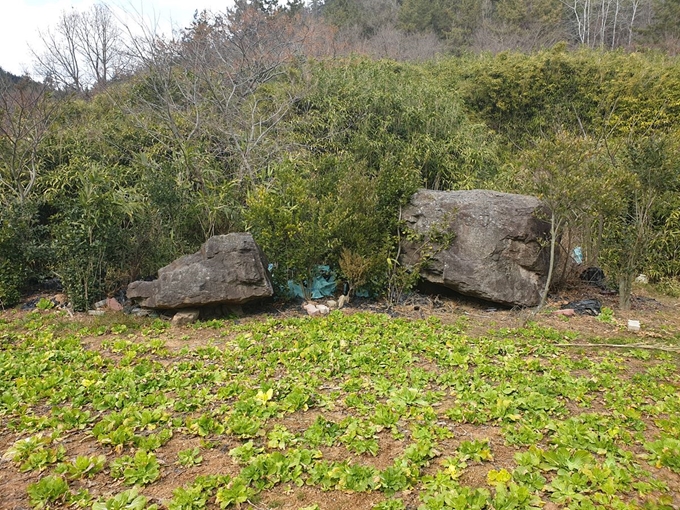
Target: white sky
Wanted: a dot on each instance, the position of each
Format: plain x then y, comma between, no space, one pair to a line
22,19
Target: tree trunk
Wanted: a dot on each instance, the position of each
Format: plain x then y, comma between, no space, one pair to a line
625,290
554,227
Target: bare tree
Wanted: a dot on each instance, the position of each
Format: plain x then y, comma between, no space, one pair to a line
82,50
59,61
210,86
605,23
26,113
99,42
525,25
390,42
632,19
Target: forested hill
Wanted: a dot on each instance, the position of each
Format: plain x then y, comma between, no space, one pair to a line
7,76
496,25
282,121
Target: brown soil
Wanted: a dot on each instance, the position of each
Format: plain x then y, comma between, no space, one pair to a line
293,498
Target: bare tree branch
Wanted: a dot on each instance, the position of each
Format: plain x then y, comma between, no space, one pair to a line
210,85
82,50
26,113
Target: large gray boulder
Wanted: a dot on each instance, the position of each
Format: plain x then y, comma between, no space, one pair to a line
229,269
498,252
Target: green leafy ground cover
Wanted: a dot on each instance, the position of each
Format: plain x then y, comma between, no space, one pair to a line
360,411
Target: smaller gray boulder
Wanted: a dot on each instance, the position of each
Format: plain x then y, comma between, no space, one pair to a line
228,269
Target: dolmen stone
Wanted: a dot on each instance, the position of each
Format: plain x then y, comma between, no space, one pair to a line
498,247
227,270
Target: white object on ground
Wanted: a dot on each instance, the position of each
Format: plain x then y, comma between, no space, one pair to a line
642,278
314,310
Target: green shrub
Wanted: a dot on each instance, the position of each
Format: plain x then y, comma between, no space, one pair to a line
87,233
306,216
21,254
664,259
669,287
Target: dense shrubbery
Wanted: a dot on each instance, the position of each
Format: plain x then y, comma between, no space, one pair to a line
22,252
123,189
367,135
602,94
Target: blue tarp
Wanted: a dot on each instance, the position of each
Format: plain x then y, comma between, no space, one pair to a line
323,285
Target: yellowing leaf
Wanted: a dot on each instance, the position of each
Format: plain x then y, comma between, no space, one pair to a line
263,397
453,471
494,477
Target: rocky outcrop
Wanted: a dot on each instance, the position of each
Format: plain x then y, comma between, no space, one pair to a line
497,248
229,269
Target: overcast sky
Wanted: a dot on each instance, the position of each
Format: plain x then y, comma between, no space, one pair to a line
23,19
